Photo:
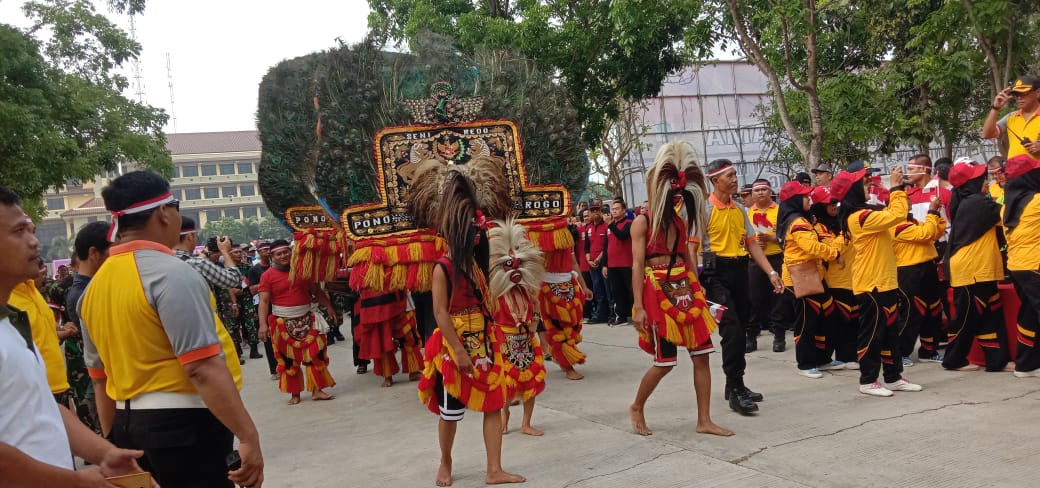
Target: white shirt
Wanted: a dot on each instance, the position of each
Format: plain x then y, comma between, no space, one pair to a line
29,418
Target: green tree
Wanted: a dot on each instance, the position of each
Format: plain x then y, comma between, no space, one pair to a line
62,115
603,52
271,229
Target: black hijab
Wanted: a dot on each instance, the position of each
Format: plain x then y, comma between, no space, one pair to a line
855,200
819,211
790,210
1018,192
972,214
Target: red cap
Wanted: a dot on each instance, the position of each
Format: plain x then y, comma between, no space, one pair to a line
821,194
793,189
965,170
1020,165
842,183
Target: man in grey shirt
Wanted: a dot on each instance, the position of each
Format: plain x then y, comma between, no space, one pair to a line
226,276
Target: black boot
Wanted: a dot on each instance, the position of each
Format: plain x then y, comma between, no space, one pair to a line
779,339
741,402
337,334
254,353
751,345
754,396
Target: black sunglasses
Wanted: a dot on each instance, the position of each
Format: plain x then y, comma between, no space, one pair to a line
176,204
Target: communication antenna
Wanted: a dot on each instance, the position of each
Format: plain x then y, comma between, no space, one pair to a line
169,82
136,68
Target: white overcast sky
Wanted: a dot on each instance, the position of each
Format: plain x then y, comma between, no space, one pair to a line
220,50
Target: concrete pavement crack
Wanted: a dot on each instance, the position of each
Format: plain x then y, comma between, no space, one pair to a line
640,463
752,454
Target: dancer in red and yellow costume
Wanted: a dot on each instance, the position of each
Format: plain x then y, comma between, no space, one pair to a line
670,310
464,364
561,298
384,329
296,328
516,274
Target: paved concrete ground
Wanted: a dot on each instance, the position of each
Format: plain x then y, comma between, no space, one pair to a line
964,429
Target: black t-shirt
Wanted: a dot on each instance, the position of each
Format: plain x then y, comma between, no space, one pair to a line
254,274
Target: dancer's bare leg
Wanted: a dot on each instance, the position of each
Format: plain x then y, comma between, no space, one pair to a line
446,438
319,395
525,426
493,444
702,388
647,386
388,381
572,374
505,419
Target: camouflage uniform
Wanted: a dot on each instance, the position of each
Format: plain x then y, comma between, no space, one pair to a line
229,316
247,311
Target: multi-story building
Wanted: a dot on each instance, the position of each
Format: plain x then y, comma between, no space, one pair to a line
214,176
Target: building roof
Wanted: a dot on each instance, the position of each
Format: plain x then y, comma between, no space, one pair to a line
213,142
94,206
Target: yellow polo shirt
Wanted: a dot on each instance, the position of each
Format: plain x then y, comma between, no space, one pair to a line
728,229
145,315
1018,127
915,241
27,298
764,220
1024,240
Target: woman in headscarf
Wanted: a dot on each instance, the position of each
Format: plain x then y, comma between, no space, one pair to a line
975,268
670,310
874,279
838,277
1022,223
801,244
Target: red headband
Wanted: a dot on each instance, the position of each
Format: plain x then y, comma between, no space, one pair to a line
136,208
720,170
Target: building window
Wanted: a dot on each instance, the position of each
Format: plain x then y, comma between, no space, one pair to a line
231,212
227,168
245,168
229,191
210,192
177,193
189,171
92,219
212,215
56,203
192,194
247,190
194,216
263,212
209,170
249,212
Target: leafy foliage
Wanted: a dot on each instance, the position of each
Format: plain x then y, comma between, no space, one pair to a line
356,91
62,115
245,230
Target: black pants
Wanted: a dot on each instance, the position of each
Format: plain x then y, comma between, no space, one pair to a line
600,296
845,319
1027,284
272,362
727,285
620,282
589,304
355,319
878,344
183,447
423,301
920,309
768,311
977,315
812,326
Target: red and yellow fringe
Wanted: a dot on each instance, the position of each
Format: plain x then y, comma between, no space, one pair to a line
483,391
685,328
316,255
403,263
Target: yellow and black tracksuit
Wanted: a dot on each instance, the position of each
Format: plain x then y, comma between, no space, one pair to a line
876,286
921,310
1024,265
845,313
811,326
975,268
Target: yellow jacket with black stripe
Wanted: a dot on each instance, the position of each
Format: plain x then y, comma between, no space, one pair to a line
871,236
801,245
914,242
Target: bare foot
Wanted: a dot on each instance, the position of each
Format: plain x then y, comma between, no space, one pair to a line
444,475
387,382
294,400
502,477
527,429
638,420
573,375
319,395
505,421
416,376
1010,367
709,427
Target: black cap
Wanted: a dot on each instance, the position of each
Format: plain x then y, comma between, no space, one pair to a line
745,189
860,164
187,224
803,178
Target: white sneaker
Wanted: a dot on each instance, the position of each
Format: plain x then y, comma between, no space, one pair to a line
903,384
1026,374
875,389
907,362
852,365
831,366
810,373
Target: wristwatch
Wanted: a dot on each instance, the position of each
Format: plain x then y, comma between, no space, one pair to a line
773,272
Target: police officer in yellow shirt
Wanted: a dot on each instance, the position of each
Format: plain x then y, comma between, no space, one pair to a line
1022,221
729,241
